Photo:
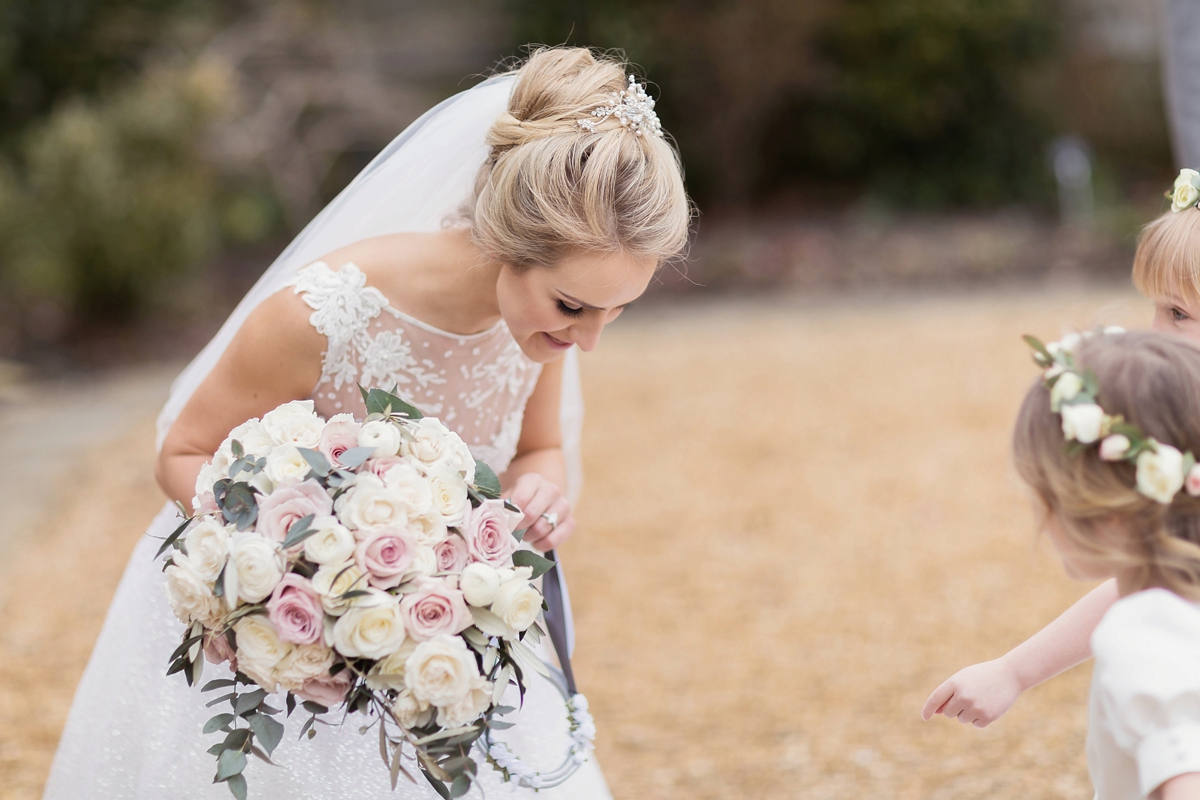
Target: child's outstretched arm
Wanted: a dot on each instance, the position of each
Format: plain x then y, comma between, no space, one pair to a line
981,693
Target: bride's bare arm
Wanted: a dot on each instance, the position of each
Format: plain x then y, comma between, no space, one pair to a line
274,358
536,479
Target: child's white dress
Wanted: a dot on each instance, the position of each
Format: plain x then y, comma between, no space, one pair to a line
1144,711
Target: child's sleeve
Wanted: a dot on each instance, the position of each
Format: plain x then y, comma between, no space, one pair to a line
1147,683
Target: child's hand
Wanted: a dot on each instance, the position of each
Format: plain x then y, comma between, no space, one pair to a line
979,694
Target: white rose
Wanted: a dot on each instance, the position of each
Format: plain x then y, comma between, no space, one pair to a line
253,438
369,504
411,712
468,708
286,466
518,604
1187,190
430,444
1114,447
209,474
479,583
459,457
375,630
428,529
303,662
1082,422
257,567
388,673
1067,387
407,485
190,596
425,560
260,650
383,435
1070,342
1160,473
208,547
449,496
332,543
294,423
441,670
336,579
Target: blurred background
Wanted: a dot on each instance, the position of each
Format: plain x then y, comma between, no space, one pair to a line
890,193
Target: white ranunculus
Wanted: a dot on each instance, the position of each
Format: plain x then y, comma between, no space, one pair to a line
294,423
468,708
383,435
336,579
449,495
411,712
374,630
1082,422
286,466
1067,387
479,583
369,504
441,670
260,650
1160,473
518,604
388,673
258,566
1114,447
406,484
190,596
303,662
252,436
331,544
1187,190
207,545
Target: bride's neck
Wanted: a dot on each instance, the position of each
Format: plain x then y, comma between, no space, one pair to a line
457,282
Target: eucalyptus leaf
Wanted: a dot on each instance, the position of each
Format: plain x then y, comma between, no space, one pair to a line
446,734
268,731
230,763
290,702
249,701
298,531
238,506
218,722
314,708
219,683
528,558
486,481
380,402
317,460
355,456
460,786
237,786
236,448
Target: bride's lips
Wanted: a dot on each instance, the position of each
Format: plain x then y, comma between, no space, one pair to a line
557,344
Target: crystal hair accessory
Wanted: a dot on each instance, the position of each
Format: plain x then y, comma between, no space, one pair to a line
1186,192
1162,470
633,107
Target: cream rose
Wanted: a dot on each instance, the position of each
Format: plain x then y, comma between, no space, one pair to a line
404,481
1082,422
209,474
260,650
449,496
303,663
1114,447
369,504
411,712
372,630
517,604
468,708
388,673
1067,387
428,529
1160,473
286,466
441,670
1187,190
425,561
430,445
257,567
332,542
253,438
336,579
190,596
294,423
479,583
207,545
382,435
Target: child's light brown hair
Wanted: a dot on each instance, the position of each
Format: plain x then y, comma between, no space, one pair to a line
1153,380
1167,261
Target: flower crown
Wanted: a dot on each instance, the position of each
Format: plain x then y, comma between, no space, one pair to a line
1187,190
1162,471
633,107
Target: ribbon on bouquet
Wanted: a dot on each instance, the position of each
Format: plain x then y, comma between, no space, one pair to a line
556,619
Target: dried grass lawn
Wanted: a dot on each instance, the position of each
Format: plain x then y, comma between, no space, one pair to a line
798,520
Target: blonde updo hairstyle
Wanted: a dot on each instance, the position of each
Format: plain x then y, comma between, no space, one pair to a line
550,189
1153,381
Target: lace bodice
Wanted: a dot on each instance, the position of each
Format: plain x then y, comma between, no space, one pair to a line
477,385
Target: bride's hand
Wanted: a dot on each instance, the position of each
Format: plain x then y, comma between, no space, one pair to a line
540,498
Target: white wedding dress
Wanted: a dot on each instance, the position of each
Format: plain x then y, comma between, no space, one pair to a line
134,733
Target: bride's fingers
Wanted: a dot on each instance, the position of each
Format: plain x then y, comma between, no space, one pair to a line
545,536
541,503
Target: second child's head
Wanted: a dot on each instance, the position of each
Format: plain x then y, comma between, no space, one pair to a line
1100,514
1166,269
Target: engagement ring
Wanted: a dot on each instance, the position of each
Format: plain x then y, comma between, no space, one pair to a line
551,518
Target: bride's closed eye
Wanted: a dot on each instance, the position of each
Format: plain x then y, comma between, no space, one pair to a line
568,310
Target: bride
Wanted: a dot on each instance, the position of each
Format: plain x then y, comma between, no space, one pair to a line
501,230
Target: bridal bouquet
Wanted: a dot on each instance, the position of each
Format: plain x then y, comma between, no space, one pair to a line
368,567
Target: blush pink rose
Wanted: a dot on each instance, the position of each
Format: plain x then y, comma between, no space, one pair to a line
337,438
218,651
452,555
1192,482
295,609
488,531
434,608
328,690
278,510
379,466
385,556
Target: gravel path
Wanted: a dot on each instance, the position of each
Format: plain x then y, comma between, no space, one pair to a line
798,519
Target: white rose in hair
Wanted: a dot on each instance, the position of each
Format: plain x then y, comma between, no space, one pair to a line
1082,422
441,671
286,467
370,504
257,567
479,583
331,544
190,596
1067,387
1160,473
388,673
208,547
1070,342
411,712
403,480
518,604
468,708
372,630
1114,447
449,495
294,423
253,438
260,650
384,436
1187,190
336,579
